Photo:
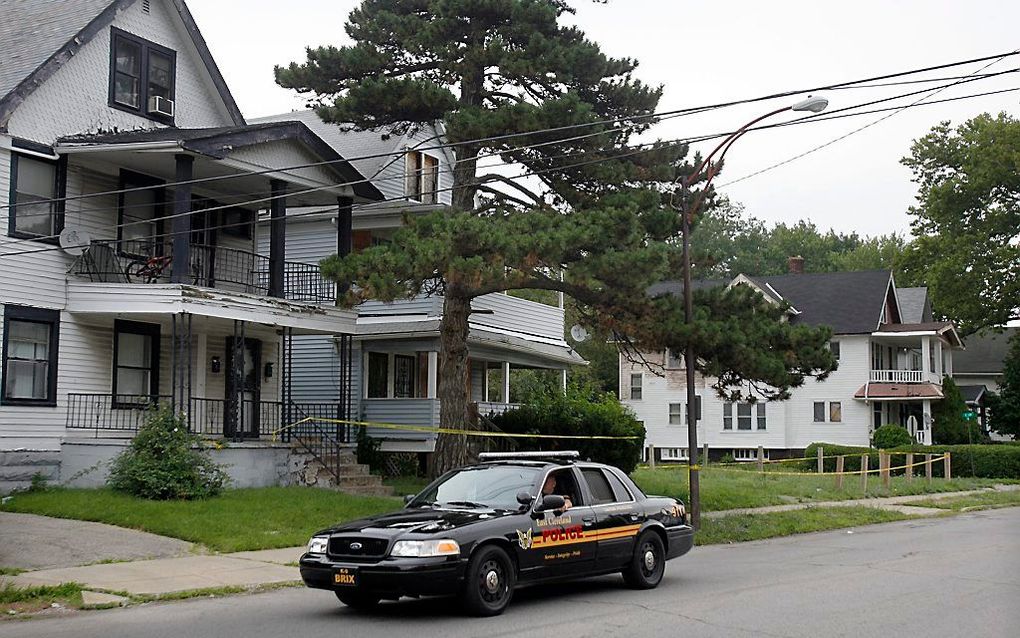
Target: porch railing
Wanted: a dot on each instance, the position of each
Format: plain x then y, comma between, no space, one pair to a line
211,418
897,376
148,262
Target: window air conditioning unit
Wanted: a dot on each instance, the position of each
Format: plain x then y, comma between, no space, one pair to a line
159,105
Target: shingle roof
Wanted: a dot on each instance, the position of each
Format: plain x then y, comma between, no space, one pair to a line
972,393
32,30
914,306
353,143
847,302
38,36
984,353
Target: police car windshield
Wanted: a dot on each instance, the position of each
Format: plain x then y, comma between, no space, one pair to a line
490,486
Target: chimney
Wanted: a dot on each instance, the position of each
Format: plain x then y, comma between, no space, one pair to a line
795,265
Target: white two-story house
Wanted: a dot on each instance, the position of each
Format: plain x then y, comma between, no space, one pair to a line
892,359
130,271
393,364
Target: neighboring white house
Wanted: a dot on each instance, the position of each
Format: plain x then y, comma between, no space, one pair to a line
160,292
890,371
393,364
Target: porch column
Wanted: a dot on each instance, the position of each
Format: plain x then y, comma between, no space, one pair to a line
277,236
181,223
344,233
938,358
506,382
563,380
926,356
926,412
433,371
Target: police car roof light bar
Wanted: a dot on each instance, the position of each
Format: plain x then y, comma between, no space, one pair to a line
565,455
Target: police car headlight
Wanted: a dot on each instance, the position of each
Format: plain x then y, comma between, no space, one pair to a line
318,544
422,549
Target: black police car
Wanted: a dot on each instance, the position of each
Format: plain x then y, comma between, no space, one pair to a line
514,519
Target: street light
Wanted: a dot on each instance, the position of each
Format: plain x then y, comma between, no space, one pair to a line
811,104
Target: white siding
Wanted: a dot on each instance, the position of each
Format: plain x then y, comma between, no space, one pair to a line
76,98
789,424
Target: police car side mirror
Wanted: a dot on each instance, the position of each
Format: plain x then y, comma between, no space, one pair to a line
408,498
552,502
524,498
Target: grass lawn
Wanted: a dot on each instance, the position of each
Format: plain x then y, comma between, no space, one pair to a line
723,489
22,600
238,520
751,527
403,485
987,500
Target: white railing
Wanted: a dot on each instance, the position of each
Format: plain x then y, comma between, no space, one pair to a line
487,408
897,376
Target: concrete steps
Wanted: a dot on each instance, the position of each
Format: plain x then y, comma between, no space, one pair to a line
354,478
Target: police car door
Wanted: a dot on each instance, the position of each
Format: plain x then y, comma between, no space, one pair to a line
560,543
618,517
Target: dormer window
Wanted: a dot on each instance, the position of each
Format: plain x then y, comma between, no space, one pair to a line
421,177
142,77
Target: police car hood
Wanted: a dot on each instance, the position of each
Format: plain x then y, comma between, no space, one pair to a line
426,520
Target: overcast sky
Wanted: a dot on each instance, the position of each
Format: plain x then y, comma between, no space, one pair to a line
708,52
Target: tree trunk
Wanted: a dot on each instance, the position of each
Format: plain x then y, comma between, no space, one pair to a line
452,449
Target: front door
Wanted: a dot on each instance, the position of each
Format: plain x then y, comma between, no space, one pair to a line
241,414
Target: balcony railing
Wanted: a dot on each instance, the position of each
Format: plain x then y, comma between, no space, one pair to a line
148,262
211,418
897,376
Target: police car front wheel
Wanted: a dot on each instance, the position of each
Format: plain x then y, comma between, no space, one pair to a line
489,582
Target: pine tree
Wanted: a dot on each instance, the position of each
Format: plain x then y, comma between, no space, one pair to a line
500,71
1005,407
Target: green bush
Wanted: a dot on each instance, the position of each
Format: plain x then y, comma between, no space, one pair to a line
165,461
948,425
581,411
891,435
979,461
368,451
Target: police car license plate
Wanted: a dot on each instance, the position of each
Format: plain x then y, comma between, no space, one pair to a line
345,577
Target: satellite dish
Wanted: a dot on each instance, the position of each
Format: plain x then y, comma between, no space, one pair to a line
74,241
578,333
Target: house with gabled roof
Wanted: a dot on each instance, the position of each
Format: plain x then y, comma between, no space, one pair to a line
892,360
394,361
130,271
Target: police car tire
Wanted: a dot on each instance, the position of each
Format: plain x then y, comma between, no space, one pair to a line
637,575
356,599
478,600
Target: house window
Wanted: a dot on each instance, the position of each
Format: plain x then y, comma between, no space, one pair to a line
727,416
30,344
674,359
673,454
760,414
747,414
378,375
135,363
835,411
743,416
422,177
834,349
635,387
403,376
675,415
237,222
141,72
819,412
35,184
140,212
876,357
748,454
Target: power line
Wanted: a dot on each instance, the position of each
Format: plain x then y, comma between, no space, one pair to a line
642,148
637,149
930,92
649,116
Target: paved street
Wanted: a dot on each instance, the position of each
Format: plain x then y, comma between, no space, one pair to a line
933,577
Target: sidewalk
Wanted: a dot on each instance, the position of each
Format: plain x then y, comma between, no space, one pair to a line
258,568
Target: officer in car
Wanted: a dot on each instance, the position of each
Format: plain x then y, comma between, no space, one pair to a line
550,488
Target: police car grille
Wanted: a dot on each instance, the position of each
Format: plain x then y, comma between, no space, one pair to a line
348,547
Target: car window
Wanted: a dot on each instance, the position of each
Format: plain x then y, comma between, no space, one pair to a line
566,486
601,492
492,486
620,490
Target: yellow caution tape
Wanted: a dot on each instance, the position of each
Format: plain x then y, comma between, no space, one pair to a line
750,464
442,430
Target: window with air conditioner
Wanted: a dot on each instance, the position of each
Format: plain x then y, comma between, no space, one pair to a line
142,76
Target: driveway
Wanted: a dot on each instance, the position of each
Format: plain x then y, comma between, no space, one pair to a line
955,576
28,541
